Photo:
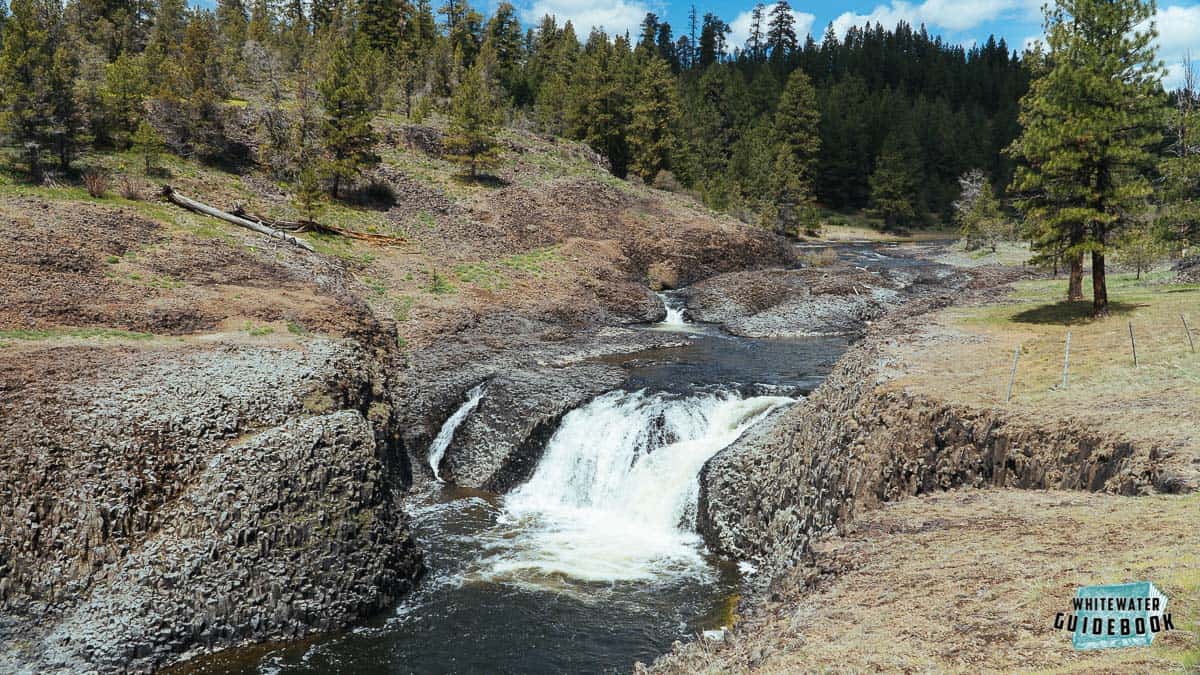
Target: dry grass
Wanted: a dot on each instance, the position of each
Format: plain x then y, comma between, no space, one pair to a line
966,355
970,581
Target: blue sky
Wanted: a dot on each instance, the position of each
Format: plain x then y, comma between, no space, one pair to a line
964,21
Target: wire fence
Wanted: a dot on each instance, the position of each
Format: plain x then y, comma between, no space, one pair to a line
1135,345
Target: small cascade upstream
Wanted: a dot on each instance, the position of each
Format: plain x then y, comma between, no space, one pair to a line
675,319
614,496
437,449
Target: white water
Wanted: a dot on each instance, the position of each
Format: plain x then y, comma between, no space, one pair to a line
437,449
614,496
675,319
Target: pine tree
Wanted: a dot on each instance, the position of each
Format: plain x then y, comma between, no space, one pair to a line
754,43
504,38
148,143
797,140
797,131
232,19
126,85
26,63
781,31
655,115
1090,121
346,130
309,196
471,141
895,182
67,123
381,23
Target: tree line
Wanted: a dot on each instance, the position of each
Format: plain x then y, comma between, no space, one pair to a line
894,122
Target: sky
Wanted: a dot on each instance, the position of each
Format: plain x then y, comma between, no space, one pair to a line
962,21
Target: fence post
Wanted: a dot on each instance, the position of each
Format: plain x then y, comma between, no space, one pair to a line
1067,363
1188,332
1013,377
1133,344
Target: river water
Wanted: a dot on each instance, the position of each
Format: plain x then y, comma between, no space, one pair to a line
594,563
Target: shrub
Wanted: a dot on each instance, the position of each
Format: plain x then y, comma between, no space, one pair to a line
96,183
129,189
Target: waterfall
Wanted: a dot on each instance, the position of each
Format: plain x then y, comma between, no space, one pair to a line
437,449
614,497
675,307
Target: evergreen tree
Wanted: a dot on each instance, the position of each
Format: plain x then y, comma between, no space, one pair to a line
712,40
895,182
346,130
471,141
309,197
232,20
148,143
1090,122
261,27
25,66
781,31
381,23
649,33
797,131
655,115
66,118
754,43
504,38
797,139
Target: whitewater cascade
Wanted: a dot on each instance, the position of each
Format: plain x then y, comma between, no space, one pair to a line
674,306
614,496
437,449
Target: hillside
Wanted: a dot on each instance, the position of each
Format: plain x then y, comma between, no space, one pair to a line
189,397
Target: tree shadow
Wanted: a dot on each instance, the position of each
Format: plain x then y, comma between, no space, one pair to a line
484,180
378,195
1070,312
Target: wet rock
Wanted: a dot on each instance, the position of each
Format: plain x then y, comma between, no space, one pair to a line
499,444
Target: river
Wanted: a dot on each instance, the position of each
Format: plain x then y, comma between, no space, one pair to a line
594,563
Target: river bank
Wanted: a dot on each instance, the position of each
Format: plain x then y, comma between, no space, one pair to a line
906,514
209,438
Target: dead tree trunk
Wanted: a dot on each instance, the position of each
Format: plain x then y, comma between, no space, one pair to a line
198,207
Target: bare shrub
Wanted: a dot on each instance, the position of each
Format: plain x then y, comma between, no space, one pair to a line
96,182
820,258
129,189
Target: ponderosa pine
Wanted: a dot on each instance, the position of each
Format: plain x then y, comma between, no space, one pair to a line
1091,120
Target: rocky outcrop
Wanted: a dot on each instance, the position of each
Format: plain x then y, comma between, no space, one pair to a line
499,444
165,502
290,533
1188,270
860,440
838,300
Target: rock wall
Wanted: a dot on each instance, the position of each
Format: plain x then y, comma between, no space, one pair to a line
859,441
169,502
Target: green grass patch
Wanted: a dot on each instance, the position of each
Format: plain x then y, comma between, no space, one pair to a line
70,332
494,275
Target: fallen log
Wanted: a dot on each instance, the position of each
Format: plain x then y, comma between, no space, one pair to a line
313,226
199,207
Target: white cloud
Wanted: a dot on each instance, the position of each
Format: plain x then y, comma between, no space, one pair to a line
953,15
1178,34
741,26
615,17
